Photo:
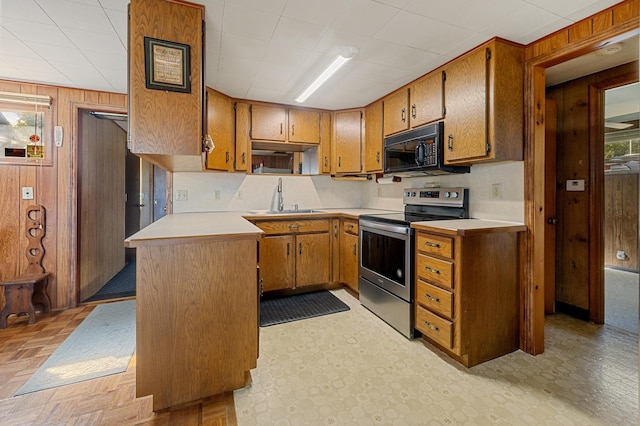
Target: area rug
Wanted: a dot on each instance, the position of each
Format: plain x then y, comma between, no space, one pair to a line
300,306
103,344
123,284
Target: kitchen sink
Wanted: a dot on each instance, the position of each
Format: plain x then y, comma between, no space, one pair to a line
291,211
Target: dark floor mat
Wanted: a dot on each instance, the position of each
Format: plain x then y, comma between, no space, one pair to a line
300,306
123,284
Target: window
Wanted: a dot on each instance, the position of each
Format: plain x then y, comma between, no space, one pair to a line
25,129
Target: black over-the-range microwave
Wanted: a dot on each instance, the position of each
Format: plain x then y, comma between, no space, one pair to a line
418,152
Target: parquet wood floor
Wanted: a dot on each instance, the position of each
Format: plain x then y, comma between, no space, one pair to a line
107,400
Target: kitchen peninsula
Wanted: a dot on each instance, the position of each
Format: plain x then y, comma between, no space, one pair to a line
196,307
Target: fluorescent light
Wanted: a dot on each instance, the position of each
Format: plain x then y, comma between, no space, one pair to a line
342,59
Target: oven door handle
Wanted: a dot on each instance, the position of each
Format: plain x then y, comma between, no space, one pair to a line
398,229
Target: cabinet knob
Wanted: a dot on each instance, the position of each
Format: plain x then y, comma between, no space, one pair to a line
552,221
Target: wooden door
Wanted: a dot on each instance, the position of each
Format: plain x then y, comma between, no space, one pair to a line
349,260
551,119
466,101
313,259
427,100
221,129
268,122
347,142
304,126
276,262
373,138
243,141
396,112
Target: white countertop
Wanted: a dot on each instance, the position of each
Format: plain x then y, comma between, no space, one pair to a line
190,225
224,223
465,226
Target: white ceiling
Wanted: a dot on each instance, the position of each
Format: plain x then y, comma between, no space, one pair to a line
271,49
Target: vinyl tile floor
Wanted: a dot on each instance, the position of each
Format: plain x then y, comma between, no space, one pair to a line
351,368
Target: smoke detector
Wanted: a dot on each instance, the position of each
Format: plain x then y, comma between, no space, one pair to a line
609,49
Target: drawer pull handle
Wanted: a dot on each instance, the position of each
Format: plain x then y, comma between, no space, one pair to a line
431,326
433,299
294,226
433,271
430,244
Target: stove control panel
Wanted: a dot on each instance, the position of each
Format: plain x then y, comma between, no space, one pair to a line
435,196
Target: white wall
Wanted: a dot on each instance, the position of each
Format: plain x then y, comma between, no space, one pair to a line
240,192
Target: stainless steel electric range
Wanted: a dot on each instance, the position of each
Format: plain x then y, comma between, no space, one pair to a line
387,246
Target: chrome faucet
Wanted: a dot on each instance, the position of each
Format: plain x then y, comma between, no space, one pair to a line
280,203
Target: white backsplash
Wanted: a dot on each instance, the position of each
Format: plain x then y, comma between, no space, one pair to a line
211,191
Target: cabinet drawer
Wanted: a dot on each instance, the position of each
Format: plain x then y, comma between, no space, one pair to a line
435,299
434,270
432,326
350,227
435,244
271,227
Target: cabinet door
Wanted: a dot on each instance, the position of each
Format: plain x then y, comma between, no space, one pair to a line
221,128
373,140
268,123
427,100
347,142
276,262
466,100
304,126
243,141
349,260
325,147
313,259
396,112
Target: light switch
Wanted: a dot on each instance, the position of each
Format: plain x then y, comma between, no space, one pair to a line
575,185
27,193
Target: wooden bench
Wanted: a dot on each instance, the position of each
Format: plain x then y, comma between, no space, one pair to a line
24,292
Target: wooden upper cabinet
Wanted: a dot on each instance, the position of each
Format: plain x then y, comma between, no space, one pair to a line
304,126
268,122
396,112
484,105
166,122
426,103
243,141
221,129
347,142
373,138
325,143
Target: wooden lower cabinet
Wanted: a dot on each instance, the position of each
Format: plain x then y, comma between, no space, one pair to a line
467,291
294,253
349,254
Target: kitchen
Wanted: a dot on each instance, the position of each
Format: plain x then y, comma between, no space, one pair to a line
240,192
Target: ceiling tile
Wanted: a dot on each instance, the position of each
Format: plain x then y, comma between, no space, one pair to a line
120,5
50,54
88,41
271,6
272,76
41,33
542,31
14,47
68,14
477,15
436,10
316,12
364,17
282,54
249,23
119,21
299,34
233,46
24,10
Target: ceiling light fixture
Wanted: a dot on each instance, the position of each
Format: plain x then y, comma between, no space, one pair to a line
609,49
345,56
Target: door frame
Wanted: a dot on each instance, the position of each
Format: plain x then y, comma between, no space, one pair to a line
76,108
535,184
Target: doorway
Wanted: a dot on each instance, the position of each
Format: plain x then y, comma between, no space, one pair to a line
621,200
114,192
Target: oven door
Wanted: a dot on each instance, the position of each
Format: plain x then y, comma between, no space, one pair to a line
385,257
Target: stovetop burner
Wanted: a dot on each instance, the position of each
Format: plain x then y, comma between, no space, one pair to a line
426,204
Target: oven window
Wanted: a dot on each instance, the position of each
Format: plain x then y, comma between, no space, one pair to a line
384,255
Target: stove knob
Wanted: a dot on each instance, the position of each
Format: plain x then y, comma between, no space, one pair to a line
454,195
447,195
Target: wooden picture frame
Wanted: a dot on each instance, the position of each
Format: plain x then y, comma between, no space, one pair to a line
167,65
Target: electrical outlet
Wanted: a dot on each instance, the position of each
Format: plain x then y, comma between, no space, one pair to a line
496,191
27,193
182,195
216,194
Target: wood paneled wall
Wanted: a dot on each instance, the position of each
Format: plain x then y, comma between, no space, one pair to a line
54,187
574,161
102,150
621,220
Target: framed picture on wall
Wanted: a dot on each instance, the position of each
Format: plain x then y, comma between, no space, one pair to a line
167,65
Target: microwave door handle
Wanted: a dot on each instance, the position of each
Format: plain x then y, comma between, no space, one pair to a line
420,153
